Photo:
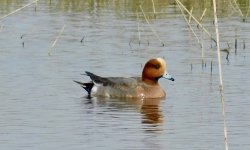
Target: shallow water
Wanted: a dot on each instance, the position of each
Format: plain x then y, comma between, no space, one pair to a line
42,108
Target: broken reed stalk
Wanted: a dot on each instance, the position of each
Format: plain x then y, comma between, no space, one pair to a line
220,74
200,25
151,27
188,22
15,11
202,49
203,14
138,27
153,6
54,43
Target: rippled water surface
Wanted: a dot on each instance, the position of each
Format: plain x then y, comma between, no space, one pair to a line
42,108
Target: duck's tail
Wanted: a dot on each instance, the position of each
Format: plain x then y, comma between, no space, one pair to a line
87,86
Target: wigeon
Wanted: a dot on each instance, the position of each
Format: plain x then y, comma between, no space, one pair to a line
146,86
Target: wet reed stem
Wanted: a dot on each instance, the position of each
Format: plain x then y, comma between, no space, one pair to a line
235,41
220,74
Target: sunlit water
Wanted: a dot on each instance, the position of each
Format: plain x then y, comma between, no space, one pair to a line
42,108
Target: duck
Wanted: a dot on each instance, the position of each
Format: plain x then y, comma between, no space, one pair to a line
145,86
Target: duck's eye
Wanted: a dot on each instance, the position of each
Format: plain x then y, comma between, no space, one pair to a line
157,66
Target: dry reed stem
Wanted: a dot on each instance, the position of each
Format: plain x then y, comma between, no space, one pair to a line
188,22
191,11
203,14
15,11
220,74
151,27
54,43
203,28
234,9
238,8
202,49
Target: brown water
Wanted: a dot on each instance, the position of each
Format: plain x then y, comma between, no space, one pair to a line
42,108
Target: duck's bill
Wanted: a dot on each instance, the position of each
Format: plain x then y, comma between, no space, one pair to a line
168,76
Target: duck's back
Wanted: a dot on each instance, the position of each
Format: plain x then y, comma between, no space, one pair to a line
117,87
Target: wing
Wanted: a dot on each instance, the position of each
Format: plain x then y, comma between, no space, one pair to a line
97,79
114,81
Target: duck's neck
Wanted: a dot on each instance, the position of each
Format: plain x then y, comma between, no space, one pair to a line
153,81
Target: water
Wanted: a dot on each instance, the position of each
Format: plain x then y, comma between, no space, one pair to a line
42,108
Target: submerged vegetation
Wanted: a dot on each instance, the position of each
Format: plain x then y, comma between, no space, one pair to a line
130,8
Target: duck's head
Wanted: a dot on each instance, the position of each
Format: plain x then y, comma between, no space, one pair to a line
155,69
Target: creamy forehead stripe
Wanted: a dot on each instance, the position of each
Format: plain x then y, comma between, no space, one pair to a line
162,61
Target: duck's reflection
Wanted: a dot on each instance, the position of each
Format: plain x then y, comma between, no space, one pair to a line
150,110
152,116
